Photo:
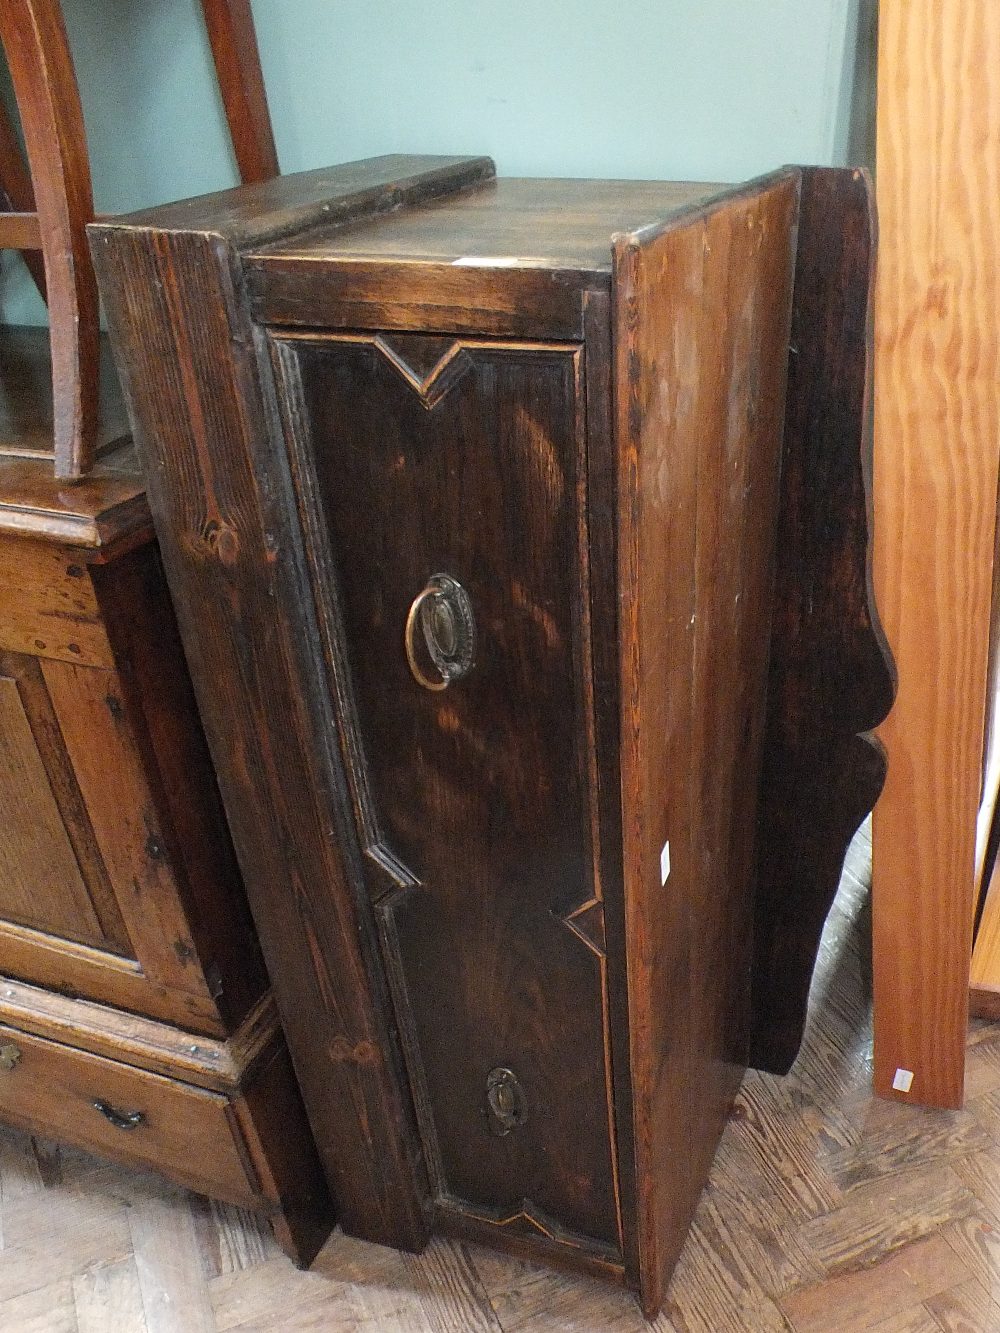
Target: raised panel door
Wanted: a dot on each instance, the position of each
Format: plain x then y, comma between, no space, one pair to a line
442,488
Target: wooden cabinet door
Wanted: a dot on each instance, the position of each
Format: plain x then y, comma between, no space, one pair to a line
442,487
95,885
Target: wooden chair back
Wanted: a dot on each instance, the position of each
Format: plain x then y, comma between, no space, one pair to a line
48,202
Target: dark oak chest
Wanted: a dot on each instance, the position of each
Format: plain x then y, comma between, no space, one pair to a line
469,492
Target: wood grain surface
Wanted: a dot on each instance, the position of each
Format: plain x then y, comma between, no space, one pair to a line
184,1131
34,40
231,540
688,920
937,450
403,416
40,882
90,1247
533,222
50,608
218,1064
474,801
830,680
233,40
120,880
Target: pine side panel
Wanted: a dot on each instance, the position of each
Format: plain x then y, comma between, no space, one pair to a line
936,457
702,308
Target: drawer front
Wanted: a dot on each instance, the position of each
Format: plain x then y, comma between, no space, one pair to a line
417,457
118,1111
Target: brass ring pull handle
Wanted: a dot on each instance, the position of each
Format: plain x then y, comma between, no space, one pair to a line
120,1119
505,1100
443,614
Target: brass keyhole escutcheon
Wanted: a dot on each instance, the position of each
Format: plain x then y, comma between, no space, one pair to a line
441,633
505,1100
9,1056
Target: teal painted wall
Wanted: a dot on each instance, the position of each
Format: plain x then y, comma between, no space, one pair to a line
697,89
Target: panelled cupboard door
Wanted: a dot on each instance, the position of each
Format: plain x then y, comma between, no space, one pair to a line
90,876
441,485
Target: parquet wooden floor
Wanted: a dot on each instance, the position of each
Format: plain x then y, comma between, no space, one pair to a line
827,1210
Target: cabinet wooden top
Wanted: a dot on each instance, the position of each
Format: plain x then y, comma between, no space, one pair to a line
423,243
505,222
436,209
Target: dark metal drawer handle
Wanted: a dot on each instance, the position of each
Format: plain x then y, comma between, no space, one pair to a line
506,1101
120,1119
443,614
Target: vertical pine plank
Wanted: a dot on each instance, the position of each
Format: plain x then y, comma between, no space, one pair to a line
937,447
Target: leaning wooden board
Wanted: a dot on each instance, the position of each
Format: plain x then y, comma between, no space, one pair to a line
474,560
937,439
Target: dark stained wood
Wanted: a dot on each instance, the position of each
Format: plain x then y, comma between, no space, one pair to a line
230,538
698,476
510,257
233,40
831,678
284,1158
584,427
519,302
602,477
259,215
473,802
739,468
529,223
749,1255
33,36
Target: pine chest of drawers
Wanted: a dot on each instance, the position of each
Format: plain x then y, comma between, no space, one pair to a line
136,1018
469,492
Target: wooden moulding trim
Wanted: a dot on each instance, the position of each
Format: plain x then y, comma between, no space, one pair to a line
79,967
522,1235
84,953
112,534
161,1048
272,210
